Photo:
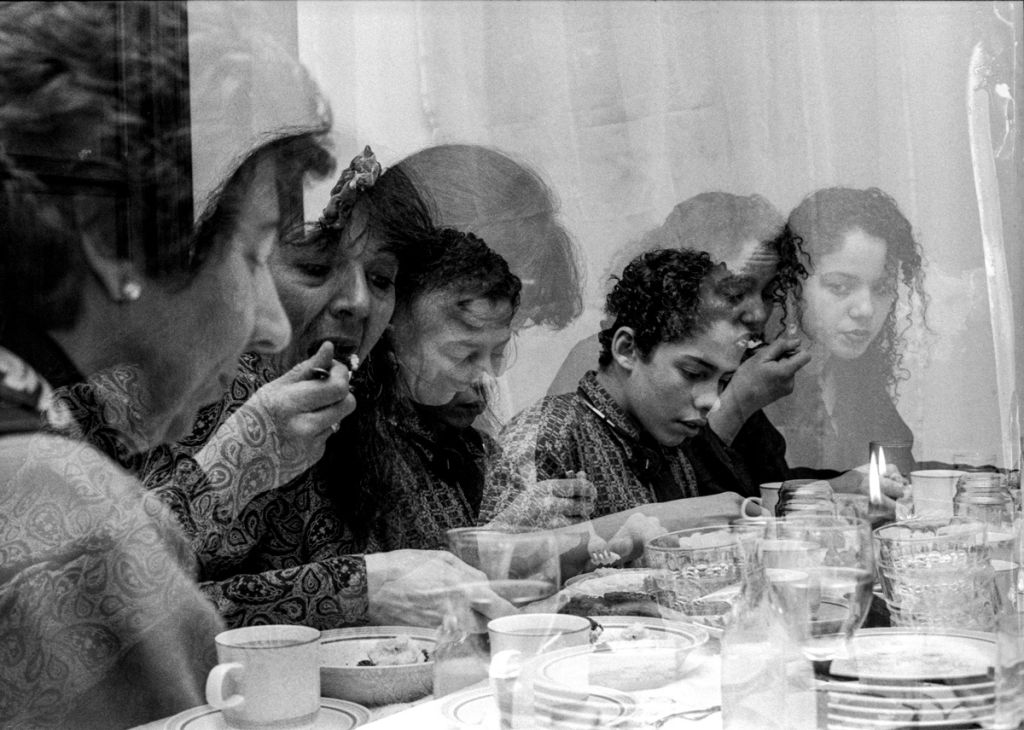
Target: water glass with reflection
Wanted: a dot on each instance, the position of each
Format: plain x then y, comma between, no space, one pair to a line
937,574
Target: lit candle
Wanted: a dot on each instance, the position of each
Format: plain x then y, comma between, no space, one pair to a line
874,481
877,512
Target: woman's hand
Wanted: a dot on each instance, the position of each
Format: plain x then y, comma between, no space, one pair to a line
761,379
630,539
551,503
305,408
857,481
418,587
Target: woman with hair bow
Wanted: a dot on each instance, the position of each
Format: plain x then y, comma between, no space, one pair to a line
283,553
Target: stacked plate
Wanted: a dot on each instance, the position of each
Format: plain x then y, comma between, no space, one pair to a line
907,678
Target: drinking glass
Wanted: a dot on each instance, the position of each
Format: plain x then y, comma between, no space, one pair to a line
519,567
937,574
1009,672
822,569
694,564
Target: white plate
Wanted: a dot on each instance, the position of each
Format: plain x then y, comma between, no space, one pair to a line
473,708
620,666
334,715
603,580
928,714
876,694
476,708
905,654
689,635
884,704
845,723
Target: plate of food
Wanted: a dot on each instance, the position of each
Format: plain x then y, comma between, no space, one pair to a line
645,628
611,592
644,592
377,665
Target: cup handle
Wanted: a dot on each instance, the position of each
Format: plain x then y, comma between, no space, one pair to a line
215,686
752,500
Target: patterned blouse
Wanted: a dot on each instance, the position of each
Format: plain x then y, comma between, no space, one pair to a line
281,556
101,624
288,555
583,431
437,483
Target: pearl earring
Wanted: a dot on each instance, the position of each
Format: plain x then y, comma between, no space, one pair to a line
130,290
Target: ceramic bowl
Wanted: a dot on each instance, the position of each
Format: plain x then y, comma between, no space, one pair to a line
341,677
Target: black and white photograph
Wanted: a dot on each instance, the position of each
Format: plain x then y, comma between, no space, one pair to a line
511,364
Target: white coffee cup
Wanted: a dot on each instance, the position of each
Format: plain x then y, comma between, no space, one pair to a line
754,509
533,633
933,491
770,496
274,672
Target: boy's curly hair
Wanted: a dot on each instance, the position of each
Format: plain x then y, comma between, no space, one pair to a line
659,297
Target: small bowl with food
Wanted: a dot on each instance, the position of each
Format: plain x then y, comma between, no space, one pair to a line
377,665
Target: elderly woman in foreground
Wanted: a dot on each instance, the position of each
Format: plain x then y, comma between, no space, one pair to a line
113,330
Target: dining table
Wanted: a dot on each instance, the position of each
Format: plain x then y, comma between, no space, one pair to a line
474,707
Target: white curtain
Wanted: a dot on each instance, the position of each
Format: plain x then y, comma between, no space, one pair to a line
628,108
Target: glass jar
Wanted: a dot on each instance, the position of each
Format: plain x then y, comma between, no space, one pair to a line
984,496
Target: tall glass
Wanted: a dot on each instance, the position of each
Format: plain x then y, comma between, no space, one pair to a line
822,568
519,567
985,497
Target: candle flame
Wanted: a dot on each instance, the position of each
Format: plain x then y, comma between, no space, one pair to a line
874,480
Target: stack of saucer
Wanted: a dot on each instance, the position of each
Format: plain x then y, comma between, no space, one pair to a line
908,678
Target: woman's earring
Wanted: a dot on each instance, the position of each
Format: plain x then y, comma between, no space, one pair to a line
131,290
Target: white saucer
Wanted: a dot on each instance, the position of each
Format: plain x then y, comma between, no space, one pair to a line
472,708
334,715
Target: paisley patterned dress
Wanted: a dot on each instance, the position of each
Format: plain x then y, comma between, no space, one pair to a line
101,622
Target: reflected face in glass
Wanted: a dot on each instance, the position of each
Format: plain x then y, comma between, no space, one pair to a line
230,307
848,296
446,344
671,394
342,291
741,282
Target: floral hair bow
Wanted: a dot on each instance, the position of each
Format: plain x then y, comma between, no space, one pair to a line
360,174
